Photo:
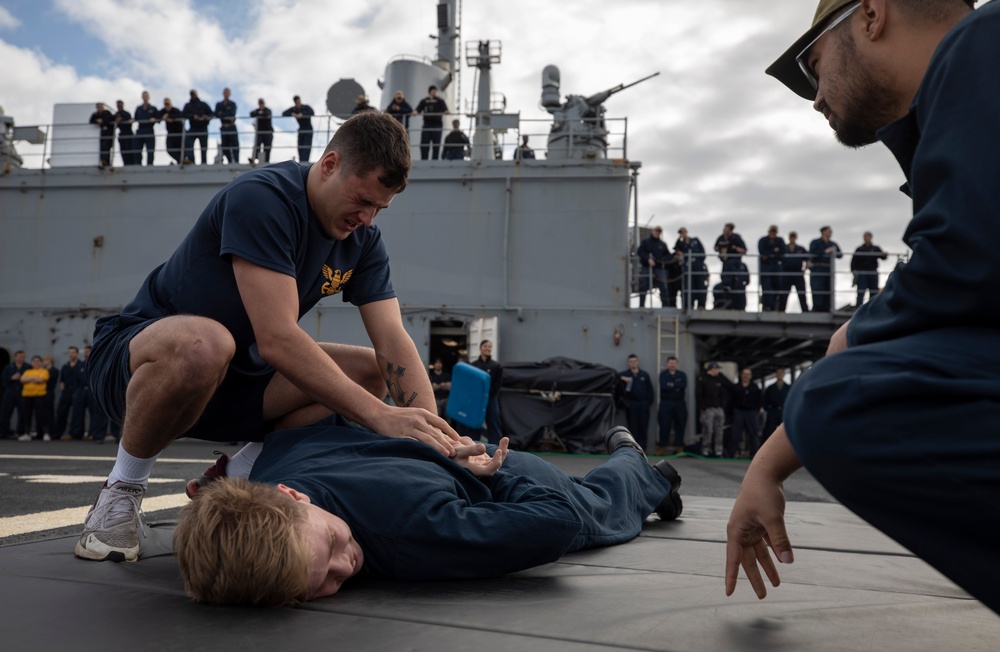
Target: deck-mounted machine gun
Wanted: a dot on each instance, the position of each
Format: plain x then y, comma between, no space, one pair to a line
578,129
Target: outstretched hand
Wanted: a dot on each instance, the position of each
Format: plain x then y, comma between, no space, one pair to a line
480,463
757,521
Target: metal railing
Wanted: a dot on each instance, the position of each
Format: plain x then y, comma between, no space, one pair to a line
704,282
78,144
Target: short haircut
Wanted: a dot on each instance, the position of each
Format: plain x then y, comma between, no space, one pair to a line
431,88
671,357
729,225
632,355
483,342
867,233
793,234
933,11
73,348
242,542
296,97
36,357
21,351
370,141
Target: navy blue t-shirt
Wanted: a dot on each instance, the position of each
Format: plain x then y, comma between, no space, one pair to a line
264,217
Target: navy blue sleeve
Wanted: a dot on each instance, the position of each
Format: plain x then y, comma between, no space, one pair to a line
682,381
370,279
257,223
952,277
531,524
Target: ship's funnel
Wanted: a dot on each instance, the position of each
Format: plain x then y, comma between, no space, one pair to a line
550,87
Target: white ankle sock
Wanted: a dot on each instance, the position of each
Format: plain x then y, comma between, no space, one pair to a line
133,470
241,463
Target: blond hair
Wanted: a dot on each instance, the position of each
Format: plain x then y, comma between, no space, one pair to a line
241,542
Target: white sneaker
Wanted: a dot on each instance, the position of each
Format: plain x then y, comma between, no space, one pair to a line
24,437
111,529
46,438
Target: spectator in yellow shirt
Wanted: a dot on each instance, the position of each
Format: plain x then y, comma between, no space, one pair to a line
34,384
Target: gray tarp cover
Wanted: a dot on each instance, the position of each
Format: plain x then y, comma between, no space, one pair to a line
570,399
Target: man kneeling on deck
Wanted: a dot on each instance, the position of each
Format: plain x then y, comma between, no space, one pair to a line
325,502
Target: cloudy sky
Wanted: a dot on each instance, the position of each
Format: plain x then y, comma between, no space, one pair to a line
719,140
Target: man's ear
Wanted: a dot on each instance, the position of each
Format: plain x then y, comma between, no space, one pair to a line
293,494
873,13
330,163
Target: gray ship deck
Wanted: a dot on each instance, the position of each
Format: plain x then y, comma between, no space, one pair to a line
849,589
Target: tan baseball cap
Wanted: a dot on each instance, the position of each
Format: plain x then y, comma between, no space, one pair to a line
786,69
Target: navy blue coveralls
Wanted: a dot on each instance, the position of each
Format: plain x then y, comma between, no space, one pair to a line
265,135
70,411
225,111
771,254
673,408
433,109
106,121
198,114
774,405
174,121
655,275
901,427
126,141
420,516
746,418
638,399
11,398
145,118
793,276
694,285
864,264
303,115
821,273
493,429
734,272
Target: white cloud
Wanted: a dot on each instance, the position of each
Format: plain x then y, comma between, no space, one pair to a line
719,140
8,20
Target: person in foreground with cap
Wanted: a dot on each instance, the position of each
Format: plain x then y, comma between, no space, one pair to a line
329,501
899,421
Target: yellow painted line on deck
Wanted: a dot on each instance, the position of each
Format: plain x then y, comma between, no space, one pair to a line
60,518
81,479
93,458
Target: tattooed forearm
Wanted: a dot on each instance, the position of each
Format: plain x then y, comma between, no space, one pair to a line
394,382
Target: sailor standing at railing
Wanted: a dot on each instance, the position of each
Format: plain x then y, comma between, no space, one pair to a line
126,141
225,111
653,254
864,264
106,121
146,115
772,251
823,251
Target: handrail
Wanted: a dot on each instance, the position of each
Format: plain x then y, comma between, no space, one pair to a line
78,144
768,291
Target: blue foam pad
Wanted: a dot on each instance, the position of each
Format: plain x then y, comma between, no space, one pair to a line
470,391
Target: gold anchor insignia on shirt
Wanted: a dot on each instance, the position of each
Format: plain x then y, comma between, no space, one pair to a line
334,280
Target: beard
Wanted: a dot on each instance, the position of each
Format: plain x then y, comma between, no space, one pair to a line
868,104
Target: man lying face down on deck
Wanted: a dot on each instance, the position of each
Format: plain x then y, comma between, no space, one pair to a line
328,501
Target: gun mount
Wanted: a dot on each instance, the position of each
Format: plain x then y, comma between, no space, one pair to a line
578,128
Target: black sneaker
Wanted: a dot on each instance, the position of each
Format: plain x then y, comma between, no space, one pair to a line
620,437
671,506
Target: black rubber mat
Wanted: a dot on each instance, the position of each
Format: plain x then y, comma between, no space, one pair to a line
849,589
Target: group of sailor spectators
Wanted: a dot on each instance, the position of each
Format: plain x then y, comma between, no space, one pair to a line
782,267
136,130
28,401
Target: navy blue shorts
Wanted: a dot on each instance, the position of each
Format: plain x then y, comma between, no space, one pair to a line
234,413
